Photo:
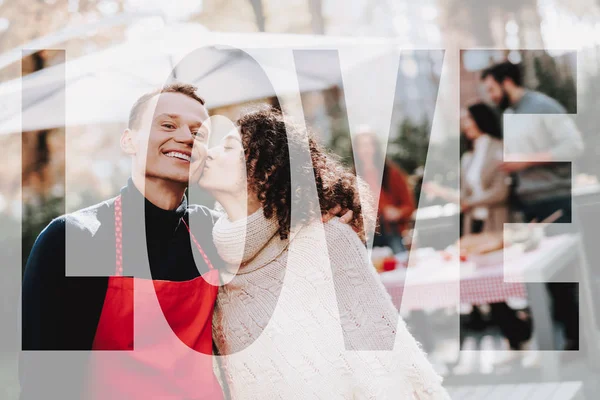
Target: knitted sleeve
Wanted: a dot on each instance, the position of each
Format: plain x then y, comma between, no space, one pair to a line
387,359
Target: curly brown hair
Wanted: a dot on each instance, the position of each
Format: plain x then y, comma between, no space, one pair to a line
272,145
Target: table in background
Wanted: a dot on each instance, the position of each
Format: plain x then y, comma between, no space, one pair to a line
438,224
528,391
436,283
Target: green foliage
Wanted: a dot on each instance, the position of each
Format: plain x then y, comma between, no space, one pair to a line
409,147
551,83
341,143
587,121
36,218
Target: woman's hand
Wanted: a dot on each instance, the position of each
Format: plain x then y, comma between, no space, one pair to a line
392,214
435,190
515,166
465,206
519,162
337,211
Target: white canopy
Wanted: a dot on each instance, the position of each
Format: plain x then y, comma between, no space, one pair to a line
228,68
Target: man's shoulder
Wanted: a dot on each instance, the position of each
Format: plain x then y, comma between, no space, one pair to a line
86,220
48,254
543,103
495,143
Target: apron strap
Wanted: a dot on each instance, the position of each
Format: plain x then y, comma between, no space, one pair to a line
204,256
119,236
119,239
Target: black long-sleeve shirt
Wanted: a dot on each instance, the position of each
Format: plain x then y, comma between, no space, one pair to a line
62,312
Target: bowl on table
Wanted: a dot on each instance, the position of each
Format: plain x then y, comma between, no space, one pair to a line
486,249
528,235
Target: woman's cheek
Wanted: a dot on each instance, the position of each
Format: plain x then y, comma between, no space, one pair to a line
242,176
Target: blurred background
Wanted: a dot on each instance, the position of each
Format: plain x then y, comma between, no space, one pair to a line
444,46
86,27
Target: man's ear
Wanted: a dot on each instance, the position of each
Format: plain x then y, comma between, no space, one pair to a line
126,143
508,83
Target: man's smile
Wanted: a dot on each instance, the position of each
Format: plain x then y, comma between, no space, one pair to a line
180,155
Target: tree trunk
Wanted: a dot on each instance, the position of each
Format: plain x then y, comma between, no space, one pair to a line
259,14
40,174
316,13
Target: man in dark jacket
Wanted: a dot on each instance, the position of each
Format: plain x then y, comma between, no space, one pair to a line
62,308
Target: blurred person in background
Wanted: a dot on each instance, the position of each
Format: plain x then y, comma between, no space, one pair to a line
484,194
396,198
483,190
537,144
535,147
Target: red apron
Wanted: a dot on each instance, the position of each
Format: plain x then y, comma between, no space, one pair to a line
169,353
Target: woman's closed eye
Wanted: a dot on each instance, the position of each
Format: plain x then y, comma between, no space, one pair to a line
199,134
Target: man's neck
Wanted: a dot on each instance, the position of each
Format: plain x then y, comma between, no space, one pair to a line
516,95
160,192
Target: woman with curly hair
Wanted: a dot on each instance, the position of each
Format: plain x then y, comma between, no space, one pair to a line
302,301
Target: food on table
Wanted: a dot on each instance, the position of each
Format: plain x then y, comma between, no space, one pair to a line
490,248
480,243
378,257
389,263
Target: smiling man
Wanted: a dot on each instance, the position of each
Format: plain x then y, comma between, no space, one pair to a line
130,236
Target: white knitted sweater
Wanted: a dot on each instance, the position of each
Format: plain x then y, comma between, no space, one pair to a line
277,323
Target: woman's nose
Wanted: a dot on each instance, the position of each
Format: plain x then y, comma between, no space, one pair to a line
212,153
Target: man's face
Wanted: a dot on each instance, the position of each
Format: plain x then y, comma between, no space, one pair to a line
496,92
171,138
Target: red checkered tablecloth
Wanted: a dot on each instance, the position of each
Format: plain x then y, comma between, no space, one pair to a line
491,289
436,283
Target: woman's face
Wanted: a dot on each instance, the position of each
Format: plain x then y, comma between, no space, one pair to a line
468,126
225,168
365,147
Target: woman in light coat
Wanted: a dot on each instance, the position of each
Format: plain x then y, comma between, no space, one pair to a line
484,202
484,188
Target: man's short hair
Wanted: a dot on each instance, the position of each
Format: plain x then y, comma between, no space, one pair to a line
177,87
502,71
